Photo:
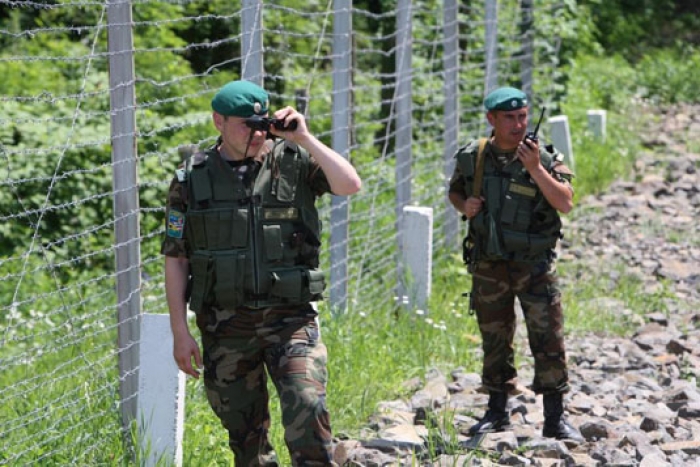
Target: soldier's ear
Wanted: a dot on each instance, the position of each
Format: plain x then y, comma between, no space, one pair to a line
218,120
491,117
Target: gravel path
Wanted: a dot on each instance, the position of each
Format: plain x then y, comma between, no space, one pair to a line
635,398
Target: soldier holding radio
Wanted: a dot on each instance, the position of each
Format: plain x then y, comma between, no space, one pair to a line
511,189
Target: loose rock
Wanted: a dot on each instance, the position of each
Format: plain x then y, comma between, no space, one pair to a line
635,398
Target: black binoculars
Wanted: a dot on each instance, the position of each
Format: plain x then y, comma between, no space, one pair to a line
258,123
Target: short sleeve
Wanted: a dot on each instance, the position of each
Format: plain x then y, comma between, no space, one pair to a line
175,241
457,181
562,173
317,179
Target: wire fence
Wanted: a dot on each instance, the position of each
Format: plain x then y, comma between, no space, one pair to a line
101,99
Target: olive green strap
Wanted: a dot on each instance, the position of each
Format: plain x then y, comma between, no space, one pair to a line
479,173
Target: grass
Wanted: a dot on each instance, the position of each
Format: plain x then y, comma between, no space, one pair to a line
373,352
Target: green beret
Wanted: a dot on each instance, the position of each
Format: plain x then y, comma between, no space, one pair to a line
241,99
505,99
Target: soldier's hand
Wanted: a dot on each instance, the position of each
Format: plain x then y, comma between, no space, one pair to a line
472,206
185,350
528,153
289,114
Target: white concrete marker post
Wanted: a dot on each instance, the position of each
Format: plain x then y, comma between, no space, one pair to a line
596,124
161,397
561,138
418,253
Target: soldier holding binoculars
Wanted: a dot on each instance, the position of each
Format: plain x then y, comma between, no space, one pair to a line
242,250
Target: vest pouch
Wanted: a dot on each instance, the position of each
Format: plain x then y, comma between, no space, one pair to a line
288,284
196,231
239,229
224,231
517,208
531,244
466,165
232,226
515,241
541,243
285,186
317,281
201,265
229,268
493,243
493,186
201,187
509,210
212,231
274,250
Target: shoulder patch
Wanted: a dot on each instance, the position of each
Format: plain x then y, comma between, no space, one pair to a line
560,168
176,223
181,174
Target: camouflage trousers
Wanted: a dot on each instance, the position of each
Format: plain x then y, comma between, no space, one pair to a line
495,286
248,346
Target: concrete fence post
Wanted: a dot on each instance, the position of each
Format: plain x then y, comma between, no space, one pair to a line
596,124
161,411
561,138
418,254
340,141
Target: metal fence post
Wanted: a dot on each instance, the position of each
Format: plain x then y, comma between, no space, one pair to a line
404,127
527,58
251,45
451,86
491,44
342,112
126,202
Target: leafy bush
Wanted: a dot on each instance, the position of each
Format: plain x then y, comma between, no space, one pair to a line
615,85
671,75
610,84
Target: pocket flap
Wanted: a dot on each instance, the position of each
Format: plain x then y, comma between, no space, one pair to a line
317,282
287,283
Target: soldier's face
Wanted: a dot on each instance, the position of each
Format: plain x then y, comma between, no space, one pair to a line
509,126
235,135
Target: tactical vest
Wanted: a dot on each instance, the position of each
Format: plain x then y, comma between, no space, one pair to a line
517,223
255,246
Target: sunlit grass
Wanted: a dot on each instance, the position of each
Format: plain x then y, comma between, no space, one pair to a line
373,352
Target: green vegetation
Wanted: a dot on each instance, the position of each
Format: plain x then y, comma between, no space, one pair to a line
614,54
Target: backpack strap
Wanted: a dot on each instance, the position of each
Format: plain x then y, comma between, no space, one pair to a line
479,172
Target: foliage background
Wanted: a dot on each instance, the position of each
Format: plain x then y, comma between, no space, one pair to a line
613,54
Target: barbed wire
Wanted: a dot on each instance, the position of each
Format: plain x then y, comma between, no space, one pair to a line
58,303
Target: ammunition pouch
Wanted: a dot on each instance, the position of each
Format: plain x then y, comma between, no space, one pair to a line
296,285
219,280
532,244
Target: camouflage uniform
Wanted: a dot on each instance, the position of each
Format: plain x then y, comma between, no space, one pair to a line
496,283
239,344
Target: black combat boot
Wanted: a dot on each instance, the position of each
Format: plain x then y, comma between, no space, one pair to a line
555,425
496,417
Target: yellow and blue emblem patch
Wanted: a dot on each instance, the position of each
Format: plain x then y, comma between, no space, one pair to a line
176,224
